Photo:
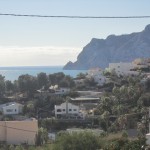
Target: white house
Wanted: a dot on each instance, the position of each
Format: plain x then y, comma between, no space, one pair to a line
123,68
53,90
97,75
11,108
66,109
59,90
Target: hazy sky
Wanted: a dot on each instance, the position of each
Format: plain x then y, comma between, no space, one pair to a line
54,41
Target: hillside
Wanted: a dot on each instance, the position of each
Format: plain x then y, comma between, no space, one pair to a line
122,48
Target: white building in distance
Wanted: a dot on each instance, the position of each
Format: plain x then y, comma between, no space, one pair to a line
66,109
97,75
123,68
11,108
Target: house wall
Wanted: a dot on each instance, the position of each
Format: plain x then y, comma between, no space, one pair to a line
11,109
62,91
2,131
123,68
148,139
66,108
17,132
97,75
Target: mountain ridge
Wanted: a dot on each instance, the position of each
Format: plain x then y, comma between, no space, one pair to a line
113,49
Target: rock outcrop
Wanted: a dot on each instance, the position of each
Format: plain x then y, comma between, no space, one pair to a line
123,48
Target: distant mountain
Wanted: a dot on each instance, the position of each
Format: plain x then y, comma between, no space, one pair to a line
123,48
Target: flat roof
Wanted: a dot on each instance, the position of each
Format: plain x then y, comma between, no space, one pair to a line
84,98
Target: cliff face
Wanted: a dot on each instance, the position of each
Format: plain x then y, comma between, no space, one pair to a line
123,48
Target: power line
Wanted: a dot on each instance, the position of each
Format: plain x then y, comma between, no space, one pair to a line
75,17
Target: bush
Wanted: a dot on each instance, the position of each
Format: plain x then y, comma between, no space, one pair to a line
77,141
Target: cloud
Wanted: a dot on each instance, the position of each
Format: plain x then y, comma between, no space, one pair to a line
28,56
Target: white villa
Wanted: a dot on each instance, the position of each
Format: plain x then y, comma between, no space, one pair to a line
53,90
123,68
66,109
97,75
59,90
11,108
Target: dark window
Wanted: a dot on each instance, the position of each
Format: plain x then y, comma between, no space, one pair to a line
70,109
64,110
75,109
9,110
58,110
15,110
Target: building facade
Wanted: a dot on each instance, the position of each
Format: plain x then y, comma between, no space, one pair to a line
66,109
123,68
12,108
19,132
97,75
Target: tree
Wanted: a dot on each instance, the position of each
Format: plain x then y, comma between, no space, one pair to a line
81,75
9,86
56,78
77,141
67,81
105,117
27,83
42,136
2,85
42,79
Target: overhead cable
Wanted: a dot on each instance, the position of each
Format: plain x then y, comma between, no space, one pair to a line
74,17
17,128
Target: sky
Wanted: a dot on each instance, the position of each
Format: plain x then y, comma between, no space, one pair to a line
28,41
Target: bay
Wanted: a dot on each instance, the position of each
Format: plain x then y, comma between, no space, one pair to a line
12,73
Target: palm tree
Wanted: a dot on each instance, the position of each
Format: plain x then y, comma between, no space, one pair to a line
105,117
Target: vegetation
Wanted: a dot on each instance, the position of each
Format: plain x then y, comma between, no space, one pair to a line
124,105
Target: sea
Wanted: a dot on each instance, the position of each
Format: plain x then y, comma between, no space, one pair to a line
12,73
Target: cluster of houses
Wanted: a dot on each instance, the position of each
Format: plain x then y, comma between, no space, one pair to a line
25,130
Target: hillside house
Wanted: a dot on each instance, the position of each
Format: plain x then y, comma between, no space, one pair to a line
66,109
59,90
97,75
53,90
84,99
123,68
11,108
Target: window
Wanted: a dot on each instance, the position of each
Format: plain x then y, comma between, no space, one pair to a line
70,109
74,109
9,110
64,109
15,110
58,110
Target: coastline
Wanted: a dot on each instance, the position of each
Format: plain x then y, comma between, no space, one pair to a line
13,72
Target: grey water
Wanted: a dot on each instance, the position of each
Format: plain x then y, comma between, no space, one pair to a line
12,73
